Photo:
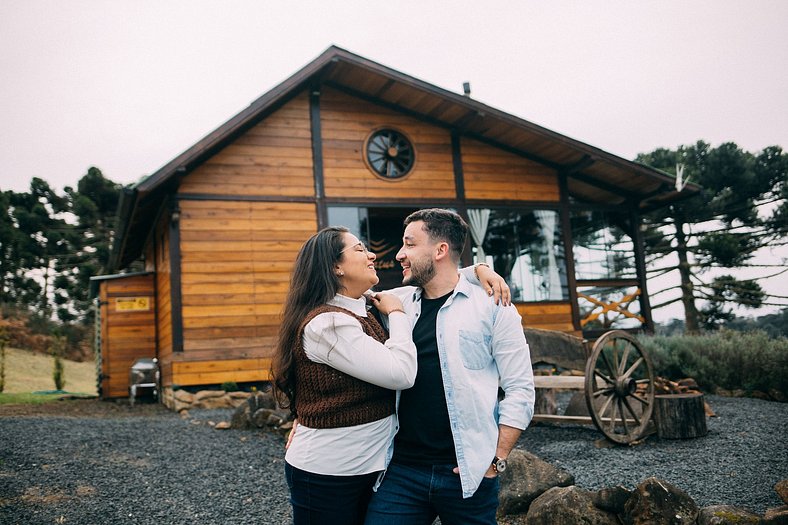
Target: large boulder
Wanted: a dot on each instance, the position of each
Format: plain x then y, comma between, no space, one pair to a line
567,506
657,502
526,478
726,515
611,499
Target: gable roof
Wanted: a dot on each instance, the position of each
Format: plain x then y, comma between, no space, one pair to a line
593,175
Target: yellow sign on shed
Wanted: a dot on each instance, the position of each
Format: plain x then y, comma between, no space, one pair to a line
126,304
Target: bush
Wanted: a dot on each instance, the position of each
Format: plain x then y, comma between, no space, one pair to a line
230,386
725,359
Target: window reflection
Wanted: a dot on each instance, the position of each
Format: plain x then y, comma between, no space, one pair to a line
525,248
603,247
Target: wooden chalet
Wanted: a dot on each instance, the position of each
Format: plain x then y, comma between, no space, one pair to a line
347,141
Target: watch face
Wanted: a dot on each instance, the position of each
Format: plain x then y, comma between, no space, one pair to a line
500,465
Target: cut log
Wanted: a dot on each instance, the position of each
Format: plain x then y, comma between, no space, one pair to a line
680,416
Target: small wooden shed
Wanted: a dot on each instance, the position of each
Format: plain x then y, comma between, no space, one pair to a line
348,141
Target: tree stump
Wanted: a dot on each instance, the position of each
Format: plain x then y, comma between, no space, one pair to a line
680,416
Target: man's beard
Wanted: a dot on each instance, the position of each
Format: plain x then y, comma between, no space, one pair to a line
420,274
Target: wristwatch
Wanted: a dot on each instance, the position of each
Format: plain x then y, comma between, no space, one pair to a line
498,464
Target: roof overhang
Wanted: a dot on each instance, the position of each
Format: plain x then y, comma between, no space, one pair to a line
593,175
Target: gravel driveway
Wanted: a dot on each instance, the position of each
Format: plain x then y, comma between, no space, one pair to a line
91,462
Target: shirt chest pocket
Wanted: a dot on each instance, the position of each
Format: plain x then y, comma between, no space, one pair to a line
475,349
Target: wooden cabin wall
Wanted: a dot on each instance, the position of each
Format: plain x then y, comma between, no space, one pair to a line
236,256
273,158
347,121
128,330
491,173
236,260
547,316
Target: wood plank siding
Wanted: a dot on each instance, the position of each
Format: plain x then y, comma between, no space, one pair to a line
347,122
127,333
494,174
236,260
272,158
547,316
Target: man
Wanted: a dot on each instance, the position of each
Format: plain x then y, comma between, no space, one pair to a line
454,434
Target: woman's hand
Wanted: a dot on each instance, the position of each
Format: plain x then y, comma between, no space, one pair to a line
494,284
386,302
291,434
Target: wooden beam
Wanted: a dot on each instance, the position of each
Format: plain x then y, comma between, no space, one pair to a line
566,235
176,299
317,156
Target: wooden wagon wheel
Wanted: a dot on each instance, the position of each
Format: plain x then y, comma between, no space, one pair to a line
619,387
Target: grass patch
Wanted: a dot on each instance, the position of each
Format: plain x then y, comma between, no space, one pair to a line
27,399
26,372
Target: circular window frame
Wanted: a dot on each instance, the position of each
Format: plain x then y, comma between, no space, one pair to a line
365,153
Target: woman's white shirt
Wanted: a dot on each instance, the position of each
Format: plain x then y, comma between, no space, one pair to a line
338,340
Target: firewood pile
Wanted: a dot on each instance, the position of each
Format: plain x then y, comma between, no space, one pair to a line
663,386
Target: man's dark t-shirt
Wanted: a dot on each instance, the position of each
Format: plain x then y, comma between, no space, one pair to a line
425,436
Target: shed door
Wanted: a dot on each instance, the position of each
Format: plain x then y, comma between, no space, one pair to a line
128,330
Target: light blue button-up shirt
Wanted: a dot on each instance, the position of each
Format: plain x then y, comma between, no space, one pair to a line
481,346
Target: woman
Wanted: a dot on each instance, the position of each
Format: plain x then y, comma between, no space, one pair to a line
337,370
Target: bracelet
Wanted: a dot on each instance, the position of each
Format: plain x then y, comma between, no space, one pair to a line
396,310
476,269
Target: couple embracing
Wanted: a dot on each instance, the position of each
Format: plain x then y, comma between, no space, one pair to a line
401,423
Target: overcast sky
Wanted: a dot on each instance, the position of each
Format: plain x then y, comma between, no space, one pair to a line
128,85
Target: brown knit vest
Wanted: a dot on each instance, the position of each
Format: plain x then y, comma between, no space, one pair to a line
328,398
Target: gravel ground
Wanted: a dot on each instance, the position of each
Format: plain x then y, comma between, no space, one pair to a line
91,462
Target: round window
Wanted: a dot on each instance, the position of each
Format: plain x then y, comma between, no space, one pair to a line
390,153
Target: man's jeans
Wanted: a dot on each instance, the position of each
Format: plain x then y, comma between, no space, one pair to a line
318,499
412,495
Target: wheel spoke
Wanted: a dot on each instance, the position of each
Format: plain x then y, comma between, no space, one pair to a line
633,367
624,357
623,415
603,392
629,408
607,363
643,401
606,379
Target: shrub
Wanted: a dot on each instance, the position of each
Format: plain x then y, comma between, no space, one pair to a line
725,359
230,386
58,374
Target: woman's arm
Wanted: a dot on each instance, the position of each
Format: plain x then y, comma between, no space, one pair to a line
337,340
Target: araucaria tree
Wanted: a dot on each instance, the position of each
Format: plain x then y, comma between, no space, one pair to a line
743,207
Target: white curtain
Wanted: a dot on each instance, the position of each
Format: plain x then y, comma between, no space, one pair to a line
479,219
547,221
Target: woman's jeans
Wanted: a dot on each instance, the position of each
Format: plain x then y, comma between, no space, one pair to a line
318,499
414,494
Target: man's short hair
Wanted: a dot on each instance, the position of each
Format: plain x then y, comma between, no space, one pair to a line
443,225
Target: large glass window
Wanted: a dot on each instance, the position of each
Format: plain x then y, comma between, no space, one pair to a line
602,245
525,248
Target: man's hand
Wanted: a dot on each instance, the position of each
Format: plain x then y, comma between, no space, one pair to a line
494,284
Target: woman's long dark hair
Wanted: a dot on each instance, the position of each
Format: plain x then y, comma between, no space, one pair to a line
313,283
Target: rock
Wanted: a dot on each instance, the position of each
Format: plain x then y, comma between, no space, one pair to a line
260,417
777,395
611,499
274,420
757,394
208,394
781,488
184,396
776,516
726,515
567,506
577,405
656,502
525,479
222,425
240,419
213,402
545,402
